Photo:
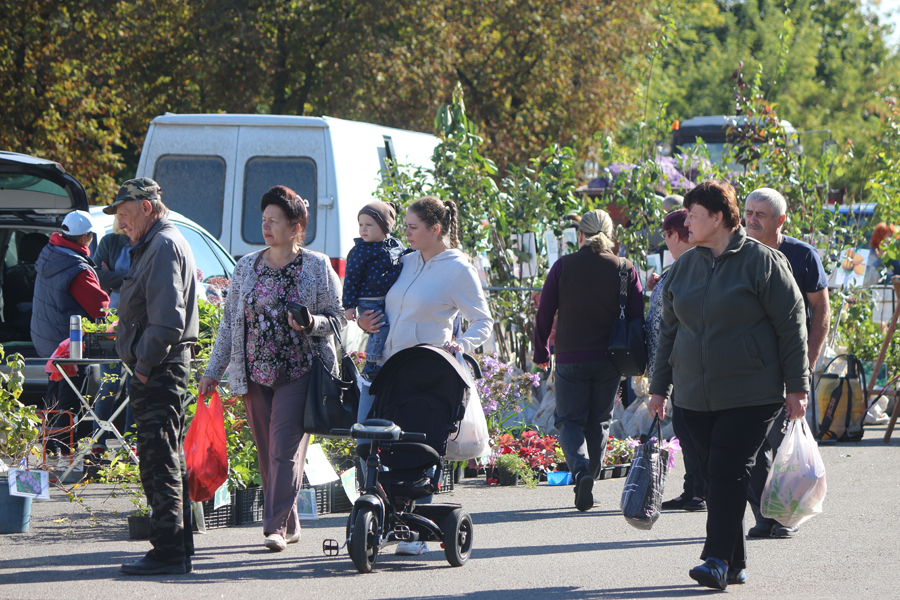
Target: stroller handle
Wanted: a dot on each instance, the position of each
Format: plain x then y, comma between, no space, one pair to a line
476,370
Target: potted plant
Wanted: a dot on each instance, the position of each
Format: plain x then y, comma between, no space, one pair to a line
619,454
511,468
125,477
19,431
560,459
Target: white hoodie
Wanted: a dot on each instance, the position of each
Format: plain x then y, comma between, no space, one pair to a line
423,302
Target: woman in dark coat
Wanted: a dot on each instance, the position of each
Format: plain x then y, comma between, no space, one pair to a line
732,341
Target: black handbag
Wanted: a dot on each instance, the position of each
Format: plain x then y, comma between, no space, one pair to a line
331,403
627,348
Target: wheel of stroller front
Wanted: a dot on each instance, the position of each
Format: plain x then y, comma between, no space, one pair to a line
364,540
458,535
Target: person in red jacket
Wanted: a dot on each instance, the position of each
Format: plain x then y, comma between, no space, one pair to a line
65,285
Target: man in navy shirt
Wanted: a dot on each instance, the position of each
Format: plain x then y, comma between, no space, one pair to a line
764,215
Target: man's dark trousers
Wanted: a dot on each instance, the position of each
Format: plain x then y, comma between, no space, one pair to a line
159,417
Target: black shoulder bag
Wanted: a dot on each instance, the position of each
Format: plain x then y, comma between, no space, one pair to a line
627,348
331,403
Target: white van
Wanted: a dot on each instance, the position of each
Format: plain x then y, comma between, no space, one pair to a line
214,170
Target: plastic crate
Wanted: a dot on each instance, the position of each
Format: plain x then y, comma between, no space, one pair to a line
100,345
220,517
323,496
446,483
248,505
340,503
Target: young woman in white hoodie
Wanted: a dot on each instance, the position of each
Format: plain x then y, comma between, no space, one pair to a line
437,282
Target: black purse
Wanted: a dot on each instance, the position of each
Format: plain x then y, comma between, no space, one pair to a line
627,347
331,403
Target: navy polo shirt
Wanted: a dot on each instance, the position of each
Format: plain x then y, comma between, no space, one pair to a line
808,270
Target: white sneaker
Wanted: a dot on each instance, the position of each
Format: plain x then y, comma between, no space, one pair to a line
275,542
411,548
293,539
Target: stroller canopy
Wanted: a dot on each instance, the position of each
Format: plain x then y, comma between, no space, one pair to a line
422,389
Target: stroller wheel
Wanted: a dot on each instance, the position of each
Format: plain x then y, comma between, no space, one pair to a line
458,537
364,540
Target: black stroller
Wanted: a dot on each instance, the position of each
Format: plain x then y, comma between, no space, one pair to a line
420,396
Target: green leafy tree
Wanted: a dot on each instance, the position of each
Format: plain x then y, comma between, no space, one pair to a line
824,64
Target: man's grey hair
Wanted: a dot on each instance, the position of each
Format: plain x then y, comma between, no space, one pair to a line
671,202
773,198
158,209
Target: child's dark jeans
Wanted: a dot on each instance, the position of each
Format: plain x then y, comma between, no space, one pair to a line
376,340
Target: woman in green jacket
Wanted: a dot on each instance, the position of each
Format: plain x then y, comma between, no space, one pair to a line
732,341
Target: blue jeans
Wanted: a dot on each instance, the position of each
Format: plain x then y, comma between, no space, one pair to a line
375,345
585,393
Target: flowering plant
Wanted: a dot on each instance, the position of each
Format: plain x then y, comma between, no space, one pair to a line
618,452
502,391
673,446
538,452
518,466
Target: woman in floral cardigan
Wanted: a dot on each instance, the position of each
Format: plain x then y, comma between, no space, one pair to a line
268,355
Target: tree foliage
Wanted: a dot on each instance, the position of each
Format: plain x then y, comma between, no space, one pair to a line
823,64
81,79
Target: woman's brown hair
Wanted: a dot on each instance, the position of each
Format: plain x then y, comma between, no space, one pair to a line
434,211
292,205
716,197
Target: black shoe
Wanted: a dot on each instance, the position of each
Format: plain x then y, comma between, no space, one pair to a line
674,504
712,574
151,566
785,532
584,499
763,529
189,566
736,576
695,505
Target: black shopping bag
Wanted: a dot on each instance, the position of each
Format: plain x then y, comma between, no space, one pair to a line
644,488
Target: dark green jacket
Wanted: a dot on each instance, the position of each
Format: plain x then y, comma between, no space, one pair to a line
733,329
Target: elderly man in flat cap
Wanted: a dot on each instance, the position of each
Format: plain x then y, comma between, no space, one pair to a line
158,325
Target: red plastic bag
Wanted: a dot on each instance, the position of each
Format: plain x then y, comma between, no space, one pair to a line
205,451
62,351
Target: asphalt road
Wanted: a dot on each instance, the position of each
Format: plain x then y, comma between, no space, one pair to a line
529,543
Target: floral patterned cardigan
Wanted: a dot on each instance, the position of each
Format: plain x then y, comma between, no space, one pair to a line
319,290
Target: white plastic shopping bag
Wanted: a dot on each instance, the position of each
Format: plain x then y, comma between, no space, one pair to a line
471,441
795,488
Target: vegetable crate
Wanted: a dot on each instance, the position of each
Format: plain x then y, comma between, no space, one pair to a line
220,517
323,496
340,503
446,483
248,505
100,345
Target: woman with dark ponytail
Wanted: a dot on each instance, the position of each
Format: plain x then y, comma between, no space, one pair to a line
437,282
